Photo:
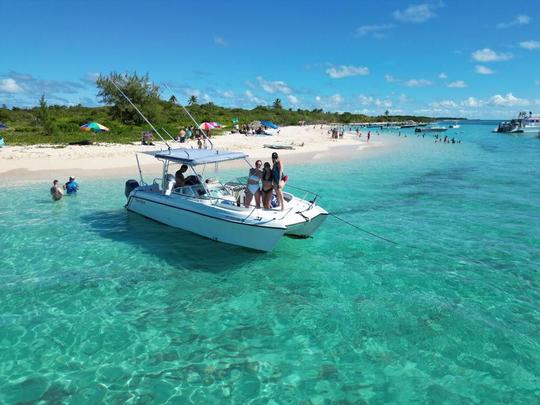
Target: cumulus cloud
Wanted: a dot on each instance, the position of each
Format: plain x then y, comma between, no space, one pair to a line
458,84
253,98
416,13
376,30
472,102
389,78
330,102
530,45
226,93
444,104
293,99
489,55
271,87
418,83
508,100
9,85
520,19
346,71
370,100
483,70
443,76
219,41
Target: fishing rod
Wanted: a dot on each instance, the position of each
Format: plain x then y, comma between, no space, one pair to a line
190,116
141,114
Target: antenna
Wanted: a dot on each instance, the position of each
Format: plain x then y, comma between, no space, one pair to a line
190,116
141,114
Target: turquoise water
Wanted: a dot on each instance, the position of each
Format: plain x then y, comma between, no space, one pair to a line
99,305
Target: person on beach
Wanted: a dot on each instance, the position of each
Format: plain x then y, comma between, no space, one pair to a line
368,136
252,188
182,135
179,179
267,187
56,191
278,179
71,186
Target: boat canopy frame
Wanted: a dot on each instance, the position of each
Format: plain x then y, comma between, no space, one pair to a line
197,157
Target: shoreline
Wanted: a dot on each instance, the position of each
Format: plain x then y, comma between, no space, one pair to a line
24,164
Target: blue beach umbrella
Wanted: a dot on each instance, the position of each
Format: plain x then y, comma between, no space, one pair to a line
269,124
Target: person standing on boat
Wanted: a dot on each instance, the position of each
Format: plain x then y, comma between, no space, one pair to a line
278,179
267,187
56,191
253,185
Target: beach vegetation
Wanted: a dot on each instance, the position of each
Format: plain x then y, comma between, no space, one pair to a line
60,124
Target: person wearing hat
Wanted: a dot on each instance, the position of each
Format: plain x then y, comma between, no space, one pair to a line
71,186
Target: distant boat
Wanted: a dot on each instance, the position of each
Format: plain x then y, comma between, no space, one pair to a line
431,129
525,123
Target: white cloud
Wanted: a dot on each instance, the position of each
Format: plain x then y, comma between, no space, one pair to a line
417,83
330,102
488,55
271,87
403,98
443,76
346,71
253,98
483,70
508,100
530,45
293,99
444,104
415,13
376,30
219,41
389,78
472,102
369,100
226,93
458,84
521,19
10,85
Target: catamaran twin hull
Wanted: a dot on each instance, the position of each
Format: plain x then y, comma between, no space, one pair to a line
225,222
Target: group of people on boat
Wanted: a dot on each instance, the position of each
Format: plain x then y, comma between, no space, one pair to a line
264,182
71,187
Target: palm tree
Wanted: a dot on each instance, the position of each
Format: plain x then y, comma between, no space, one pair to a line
173,99
277,104
192,100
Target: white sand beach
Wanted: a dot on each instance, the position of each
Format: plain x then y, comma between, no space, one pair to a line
36,162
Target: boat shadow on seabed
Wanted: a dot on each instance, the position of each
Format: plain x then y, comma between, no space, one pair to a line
177,247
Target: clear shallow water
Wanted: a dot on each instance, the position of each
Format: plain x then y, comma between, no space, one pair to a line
101,305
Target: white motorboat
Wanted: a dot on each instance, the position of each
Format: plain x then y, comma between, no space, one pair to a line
525,123
431,129
215,210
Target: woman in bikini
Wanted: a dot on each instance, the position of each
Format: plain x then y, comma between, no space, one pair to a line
278,179
267,186
252,188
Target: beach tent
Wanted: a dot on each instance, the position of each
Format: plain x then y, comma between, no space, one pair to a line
269,124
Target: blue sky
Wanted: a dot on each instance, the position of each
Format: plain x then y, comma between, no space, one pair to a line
467,58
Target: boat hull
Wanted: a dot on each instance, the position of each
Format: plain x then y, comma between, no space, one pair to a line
306,228
195,218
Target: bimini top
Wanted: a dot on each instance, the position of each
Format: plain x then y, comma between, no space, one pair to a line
194,157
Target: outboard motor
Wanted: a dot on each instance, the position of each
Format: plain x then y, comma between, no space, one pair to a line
130,186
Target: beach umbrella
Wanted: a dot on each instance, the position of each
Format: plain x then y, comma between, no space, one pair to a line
209,125
94,127
269,124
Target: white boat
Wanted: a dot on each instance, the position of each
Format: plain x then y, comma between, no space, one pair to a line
526,123
431,129
212,209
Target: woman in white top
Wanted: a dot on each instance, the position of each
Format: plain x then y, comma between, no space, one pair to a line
253,185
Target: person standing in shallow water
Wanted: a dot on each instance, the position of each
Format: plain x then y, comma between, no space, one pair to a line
56,191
